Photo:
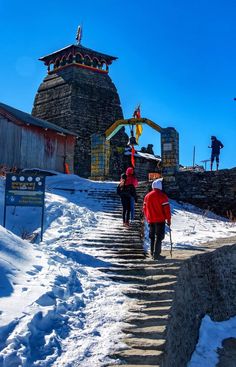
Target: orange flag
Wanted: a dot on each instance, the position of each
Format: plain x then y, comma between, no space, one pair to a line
67,170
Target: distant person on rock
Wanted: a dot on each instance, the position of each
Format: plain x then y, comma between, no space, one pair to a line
216,146
126,192
132,180
156,209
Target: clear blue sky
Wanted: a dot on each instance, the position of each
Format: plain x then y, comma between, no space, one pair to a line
176,58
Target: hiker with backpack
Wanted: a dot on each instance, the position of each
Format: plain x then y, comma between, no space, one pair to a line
131,179
126,192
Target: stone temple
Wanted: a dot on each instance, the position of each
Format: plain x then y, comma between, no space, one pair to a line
79,95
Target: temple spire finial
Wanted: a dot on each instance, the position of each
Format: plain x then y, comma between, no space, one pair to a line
79,35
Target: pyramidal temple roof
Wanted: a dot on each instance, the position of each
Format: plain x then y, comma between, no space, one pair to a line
74,49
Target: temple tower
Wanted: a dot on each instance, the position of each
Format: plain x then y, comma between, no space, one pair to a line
79,95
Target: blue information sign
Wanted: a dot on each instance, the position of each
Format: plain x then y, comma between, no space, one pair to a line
24,190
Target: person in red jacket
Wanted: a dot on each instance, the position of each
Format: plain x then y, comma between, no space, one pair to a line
156,209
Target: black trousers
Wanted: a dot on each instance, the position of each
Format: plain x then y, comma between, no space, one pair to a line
125,200
215,156
156,235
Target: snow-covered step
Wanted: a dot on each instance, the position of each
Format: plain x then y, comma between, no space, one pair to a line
135,355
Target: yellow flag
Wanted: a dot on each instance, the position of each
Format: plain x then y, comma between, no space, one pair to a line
139,130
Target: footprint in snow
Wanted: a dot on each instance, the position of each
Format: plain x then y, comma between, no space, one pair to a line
47,299
38,267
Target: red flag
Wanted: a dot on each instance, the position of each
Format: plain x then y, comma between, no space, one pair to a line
132,156
137,113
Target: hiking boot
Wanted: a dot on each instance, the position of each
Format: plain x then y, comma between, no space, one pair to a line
159,257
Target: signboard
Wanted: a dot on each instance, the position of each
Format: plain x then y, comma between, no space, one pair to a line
24,190
153,176
167,147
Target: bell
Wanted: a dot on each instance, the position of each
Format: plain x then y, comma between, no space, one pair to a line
132,140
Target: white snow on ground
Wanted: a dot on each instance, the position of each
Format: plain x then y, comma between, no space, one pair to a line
56,307
211,335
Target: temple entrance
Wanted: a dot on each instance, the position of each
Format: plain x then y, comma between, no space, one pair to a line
100,147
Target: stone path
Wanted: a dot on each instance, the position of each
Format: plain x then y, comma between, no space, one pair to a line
150,283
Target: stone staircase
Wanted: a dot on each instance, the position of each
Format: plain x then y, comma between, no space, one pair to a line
149,283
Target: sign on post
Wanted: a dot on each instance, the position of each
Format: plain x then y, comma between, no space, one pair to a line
25,190
153,176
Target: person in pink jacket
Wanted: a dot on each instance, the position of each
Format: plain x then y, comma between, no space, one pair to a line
131,180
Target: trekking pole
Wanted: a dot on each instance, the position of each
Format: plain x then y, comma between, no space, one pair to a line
171,243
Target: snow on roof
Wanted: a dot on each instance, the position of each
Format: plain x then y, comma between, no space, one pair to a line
144,155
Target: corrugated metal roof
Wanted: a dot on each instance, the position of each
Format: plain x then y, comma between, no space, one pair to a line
31,120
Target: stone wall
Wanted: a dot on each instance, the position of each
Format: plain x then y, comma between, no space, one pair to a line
206,284
214,191
169,150
84,102
100,156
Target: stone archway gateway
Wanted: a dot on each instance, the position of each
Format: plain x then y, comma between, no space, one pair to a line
100,147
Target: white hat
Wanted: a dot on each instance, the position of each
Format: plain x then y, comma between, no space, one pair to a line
157,184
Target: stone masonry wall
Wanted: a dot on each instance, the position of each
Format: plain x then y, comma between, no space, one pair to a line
206,284
169,150
84,102
214,191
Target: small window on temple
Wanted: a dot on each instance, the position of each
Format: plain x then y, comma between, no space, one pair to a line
57,63
95,63
104,66
70,59
78,59
87,61
50,67
63,61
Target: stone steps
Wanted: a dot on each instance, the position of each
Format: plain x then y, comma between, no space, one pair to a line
151,332
143,320
137,364
150,304
152,295
131,256
156,311
142,343
139,271
135,355
150,284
